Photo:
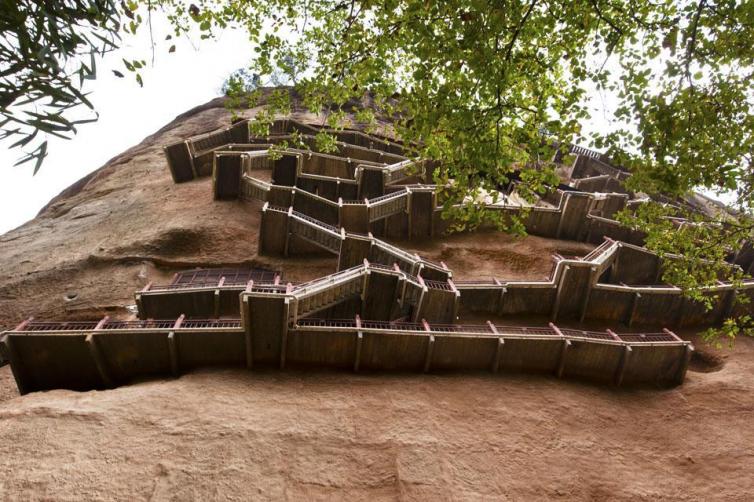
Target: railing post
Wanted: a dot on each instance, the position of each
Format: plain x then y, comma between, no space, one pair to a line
99,361
22,325
587,296
675,337
688,352
217,297
359,343
287,231
498,348
179,321
173,353
558,293
625,357
634,306
246,322
563,350
430,346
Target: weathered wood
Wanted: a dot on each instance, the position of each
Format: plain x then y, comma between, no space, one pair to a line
173,350
99,361
621,371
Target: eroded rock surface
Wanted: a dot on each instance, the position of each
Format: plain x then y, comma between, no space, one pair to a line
237,435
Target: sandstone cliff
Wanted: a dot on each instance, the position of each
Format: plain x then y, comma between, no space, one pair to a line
234,435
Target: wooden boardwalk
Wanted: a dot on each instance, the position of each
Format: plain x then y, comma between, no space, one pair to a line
383,309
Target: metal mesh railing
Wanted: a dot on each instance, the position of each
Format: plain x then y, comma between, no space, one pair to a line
146,324
445,286
61,326
646,337
211,323
593,335
206,276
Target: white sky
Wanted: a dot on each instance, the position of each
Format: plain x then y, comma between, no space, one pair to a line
128,113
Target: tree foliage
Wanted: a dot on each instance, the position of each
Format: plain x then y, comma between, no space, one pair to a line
488,88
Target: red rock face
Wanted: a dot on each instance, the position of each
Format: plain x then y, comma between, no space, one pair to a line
233,434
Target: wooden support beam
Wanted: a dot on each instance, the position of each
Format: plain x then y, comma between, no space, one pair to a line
248,338
287,230
359,343
365,285
632,310
625,357
559,230
173,350
430,349
217,298
559,293
284,334
99,361
419,304
588,294
456,301
408,212
498,349
563,357
16,366
563,350
430,346
689,351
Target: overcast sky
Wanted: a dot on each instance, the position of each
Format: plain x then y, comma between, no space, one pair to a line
128,113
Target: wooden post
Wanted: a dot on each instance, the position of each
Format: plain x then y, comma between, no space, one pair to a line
562,215
99,361
421,299
563,350
558,294
563,356
217,297
173,350
625,357
587,296
457,301
246,321
430,346
689,351
284,334
287,230
632,312
498,348
359,342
